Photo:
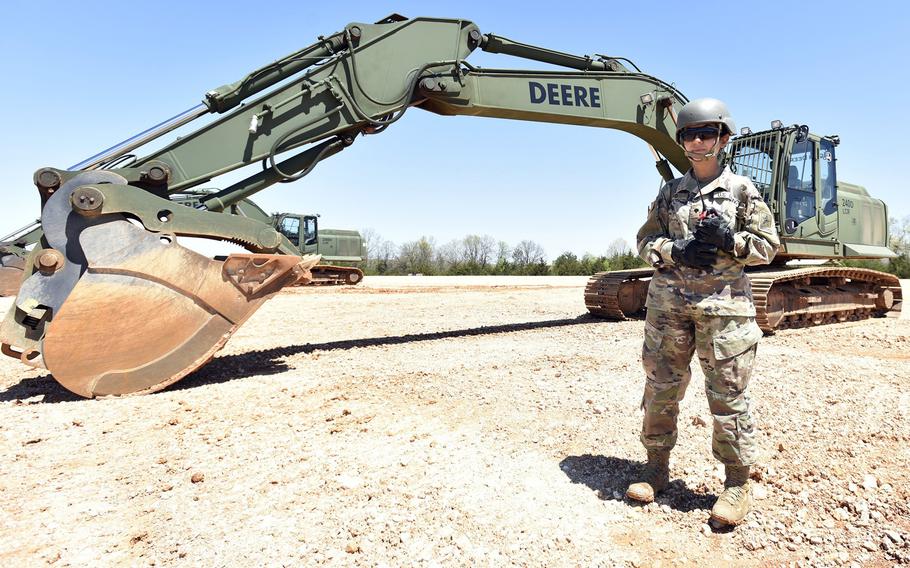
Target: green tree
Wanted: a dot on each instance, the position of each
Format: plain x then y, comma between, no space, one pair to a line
627,260
900,243
591,264
566,264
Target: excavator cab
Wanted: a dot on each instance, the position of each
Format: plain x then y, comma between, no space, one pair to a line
310,232
289,226
818,216
301,230
795,173
810,189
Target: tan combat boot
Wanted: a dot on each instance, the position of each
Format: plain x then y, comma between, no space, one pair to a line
654,479
734,502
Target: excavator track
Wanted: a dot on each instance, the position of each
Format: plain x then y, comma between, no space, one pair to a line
805,297
618,294
329,275
784,298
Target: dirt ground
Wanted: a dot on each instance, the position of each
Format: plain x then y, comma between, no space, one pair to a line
454,421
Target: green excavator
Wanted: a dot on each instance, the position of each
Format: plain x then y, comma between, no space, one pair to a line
112,304
341,251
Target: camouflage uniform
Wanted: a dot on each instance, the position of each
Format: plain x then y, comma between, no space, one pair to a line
708,311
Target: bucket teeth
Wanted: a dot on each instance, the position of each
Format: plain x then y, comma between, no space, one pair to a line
254,273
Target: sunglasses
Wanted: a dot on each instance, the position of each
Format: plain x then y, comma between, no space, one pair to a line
703,132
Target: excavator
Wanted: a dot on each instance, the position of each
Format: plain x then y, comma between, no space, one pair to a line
112,304
340,250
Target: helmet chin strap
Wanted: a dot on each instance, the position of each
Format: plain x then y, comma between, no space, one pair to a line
701,157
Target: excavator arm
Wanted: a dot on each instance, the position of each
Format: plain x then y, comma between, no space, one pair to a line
601,93
583,99
112,304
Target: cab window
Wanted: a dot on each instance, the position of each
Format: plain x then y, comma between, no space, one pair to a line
309,230
290,228
754,162
801,182
827,176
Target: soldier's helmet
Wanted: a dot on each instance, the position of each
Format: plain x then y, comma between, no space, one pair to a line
701,111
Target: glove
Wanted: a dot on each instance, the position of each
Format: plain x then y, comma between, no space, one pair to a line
713,230
694,253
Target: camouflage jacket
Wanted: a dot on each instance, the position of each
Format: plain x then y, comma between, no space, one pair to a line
724,289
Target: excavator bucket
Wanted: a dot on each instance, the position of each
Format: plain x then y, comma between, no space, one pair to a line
138,324
115,309
11,272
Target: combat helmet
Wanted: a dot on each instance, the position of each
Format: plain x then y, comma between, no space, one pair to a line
700,111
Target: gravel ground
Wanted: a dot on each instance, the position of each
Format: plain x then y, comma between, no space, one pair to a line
453,421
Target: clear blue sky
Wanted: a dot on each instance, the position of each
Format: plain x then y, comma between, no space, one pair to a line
81,76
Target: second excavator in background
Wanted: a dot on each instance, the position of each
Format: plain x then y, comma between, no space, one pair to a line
341,251
112,304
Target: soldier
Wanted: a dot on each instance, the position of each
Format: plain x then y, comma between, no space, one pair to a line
701,231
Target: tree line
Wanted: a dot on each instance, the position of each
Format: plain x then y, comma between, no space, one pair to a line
483,254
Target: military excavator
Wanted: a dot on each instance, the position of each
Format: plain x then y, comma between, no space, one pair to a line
111,303
340,250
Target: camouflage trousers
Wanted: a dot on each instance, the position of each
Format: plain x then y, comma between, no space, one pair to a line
726,348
